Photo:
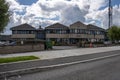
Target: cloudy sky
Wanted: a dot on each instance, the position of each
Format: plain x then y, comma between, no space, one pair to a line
47,12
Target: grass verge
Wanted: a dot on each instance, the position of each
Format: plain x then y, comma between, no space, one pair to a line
15,59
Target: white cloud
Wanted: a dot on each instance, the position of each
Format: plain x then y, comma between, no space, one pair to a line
97,4
102,16
46,12
116,15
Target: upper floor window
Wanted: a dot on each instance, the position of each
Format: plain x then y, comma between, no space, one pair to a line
92,32
14,32
23,32
57,31
102,32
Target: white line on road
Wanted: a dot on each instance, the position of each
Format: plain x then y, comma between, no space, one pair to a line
53,66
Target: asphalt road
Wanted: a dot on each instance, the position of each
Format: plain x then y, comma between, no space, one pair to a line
40,63
106,69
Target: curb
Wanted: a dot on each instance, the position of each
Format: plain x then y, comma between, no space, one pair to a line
45,68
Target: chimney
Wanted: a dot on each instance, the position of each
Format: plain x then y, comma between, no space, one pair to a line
40,27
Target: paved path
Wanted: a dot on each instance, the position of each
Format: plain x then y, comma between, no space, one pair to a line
64,53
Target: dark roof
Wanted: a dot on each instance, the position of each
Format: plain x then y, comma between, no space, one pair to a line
57,26
78,23
23,27
90,26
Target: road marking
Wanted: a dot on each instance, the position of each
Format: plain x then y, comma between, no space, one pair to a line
8,73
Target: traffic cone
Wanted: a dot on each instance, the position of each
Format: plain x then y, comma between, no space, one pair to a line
90,45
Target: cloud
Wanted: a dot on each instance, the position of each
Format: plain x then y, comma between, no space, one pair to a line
72,14
101,16
116,17
47,12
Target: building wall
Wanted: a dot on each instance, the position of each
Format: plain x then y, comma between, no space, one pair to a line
75,32
57,35
21,48
86,36
22,36
40,34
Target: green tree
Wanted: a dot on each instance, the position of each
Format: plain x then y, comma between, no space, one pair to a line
4,14
114,33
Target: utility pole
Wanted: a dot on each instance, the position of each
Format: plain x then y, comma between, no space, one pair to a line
110,14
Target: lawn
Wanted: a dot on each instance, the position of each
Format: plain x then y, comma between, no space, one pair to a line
15,59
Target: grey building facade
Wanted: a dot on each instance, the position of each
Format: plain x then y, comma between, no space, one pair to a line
59,33
81,32
75,33
27,32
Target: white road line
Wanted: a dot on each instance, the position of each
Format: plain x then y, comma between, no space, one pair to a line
60,65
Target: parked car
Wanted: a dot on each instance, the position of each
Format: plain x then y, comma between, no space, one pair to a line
2,43
10,43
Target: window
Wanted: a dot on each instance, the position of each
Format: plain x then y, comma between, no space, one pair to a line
47,31
71,30
98,32
32,32
92,32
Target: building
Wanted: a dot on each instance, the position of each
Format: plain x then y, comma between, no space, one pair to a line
23,32
78,32
81,32
95,33
40,33
58,33
27,32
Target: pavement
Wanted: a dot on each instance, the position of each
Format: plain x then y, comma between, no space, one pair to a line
51,54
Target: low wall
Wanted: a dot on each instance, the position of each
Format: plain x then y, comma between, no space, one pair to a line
93,45
21,48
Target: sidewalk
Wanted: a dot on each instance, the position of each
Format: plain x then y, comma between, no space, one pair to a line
64,53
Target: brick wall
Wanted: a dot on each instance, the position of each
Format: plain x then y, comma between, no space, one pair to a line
21,49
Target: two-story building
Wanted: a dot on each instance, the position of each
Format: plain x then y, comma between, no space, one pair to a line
27,32
78,32
81,32
95,33
58,33
23,32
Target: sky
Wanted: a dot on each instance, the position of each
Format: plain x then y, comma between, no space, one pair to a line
47,12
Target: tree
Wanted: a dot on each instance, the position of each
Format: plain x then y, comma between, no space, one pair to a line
114,33
4,14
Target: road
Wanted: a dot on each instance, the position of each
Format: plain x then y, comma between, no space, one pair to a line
105,69
41,63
